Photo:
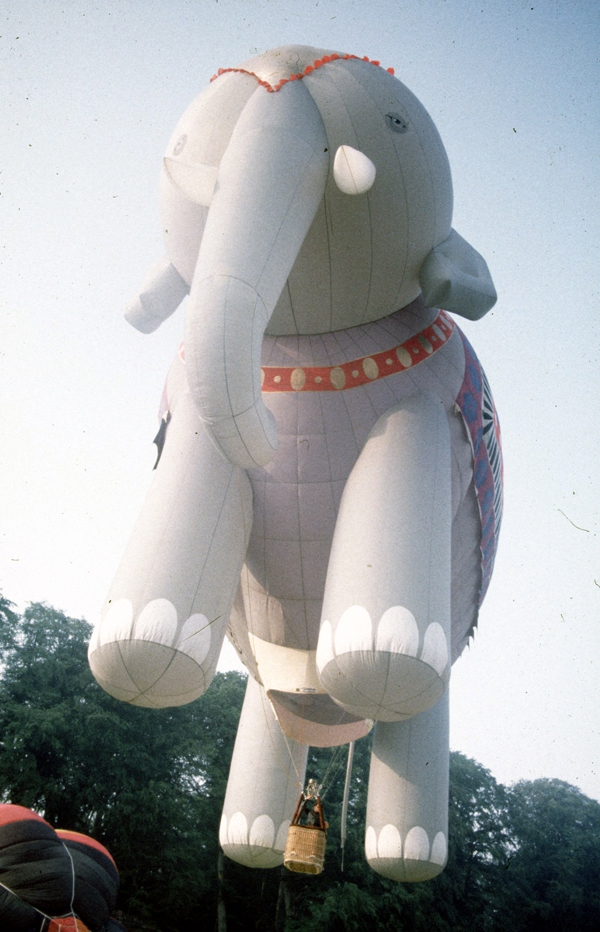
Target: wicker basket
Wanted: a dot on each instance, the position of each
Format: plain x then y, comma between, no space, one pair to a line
305,849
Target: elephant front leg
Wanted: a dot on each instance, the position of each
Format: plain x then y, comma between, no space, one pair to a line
165,616
383,648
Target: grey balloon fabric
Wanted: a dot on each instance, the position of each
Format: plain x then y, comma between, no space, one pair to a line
456,277
161,295
330,489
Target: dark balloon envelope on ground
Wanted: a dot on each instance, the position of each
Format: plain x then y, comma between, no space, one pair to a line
34,867
96,878
48,873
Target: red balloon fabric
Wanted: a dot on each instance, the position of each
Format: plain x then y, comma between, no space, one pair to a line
70,924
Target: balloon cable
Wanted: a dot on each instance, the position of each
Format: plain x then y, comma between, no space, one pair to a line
34,908
72,879
345,800
328,781
334,758
301,744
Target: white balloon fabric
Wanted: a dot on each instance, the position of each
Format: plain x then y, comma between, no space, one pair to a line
266,776
354,173
164,620
384,644
407,806
330,489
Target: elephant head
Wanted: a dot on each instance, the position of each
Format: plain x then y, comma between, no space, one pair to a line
304,192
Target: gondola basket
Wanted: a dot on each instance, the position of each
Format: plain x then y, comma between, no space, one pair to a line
305,845
305,849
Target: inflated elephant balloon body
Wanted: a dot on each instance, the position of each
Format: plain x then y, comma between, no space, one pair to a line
330,486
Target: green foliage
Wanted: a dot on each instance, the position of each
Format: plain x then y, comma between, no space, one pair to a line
149,784
474,876
555,867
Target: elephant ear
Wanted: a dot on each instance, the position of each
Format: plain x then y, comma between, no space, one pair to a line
454,276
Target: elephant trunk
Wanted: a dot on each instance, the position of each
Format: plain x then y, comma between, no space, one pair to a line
269,185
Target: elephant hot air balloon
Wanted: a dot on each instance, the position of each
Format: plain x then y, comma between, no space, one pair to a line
329,492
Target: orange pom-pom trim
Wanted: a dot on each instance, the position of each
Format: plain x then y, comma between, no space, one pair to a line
326,60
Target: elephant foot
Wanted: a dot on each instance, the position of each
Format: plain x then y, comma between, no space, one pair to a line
266,776
154,661
382,671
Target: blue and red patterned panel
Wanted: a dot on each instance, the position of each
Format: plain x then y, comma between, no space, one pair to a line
479,413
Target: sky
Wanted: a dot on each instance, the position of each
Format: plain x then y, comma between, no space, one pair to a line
90,95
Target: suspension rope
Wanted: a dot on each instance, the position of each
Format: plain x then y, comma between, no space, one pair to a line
345,800
329,781
265,698
72,881
45,918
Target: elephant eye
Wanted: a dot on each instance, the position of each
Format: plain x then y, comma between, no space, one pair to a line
178,148
396,123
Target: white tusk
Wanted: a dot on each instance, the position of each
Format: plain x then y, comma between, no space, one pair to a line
354,173
195,181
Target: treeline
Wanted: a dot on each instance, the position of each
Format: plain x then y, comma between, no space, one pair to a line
150,784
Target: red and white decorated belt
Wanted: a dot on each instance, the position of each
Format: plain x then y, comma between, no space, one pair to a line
416,349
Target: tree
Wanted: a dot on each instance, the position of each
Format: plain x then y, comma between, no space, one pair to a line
555,866
473,883
148,784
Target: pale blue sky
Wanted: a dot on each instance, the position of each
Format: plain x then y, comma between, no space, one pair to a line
91,93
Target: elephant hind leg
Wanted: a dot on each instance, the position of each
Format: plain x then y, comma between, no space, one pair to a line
266,776
165,617
383,648
407,806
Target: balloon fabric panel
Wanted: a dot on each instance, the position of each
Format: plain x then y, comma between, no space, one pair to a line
96,878
34,864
